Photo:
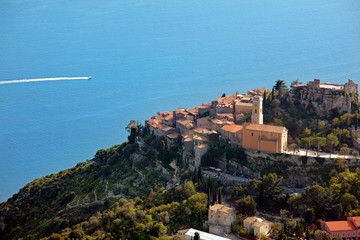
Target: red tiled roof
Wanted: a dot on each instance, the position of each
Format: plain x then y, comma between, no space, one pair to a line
265,128
356,220
169,118
232,128
207,105
335,226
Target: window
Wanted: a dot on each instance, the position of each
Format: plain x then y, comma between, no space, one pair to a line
255,105
348,234
343,234
354,234
238,111
244,112
255,110
358,233
333,235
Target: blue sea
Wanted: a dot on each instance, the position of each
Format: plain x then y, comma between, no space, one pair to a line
148,56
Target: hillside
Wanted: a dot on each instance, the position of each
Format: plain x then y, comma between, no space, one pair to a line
57,201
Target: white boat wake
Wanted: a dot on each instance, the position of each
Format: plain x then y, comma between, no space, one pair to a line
44,79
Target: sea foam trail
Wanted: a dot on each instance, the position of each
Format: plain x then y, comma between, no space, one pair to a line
44,79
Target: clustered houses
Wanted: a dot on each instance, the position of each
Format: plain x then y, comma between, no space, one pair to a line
225,117
349,229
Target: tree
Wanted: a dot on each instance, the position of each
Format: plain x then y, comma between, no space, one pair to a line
280,87
331,141
220,196
299,231
271,183
199,174
344,151
307,132
275,103
178,237
295,82
306,143
308,233
197,236
321,125
355,153
349,202
309,216
275,230
319,142
321,235
133,129
292,147
282,235
246,206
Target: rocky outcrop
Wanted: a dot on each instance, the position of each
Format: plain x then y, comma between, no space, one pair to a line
326,98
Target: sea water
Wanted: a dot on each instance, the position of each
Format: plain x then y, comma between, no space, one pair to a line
145,57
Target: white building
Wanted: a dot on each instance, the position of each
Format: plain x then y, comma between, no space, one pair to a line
190,233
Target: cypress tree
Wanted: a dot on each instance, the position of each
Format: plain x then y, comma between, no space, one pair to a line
199,174
220,197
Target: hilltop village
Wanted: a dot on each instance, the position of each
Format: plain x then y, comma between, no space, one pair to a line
225,116
238,119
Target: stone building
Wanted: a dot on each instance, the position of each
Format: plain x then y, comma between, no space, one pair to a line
349,229
265,137
232,134
221,218
257,226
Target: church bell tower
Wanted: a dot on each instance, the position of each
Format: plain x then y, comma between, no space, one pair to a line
257,110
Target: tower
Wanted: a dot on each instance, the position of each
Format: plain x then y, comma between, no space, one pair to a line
257,113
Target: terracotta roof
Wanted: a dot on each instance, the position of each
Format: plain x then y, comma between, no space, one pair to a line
193,110
201,130
203,121
207,105
261,90
169,118
221,208
244,104
166,128
356,221
173,135
228,99
265,128
165,113
246,99
221,121
200,138
233,128
186,123
202,146
253,219
340,226
156,123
